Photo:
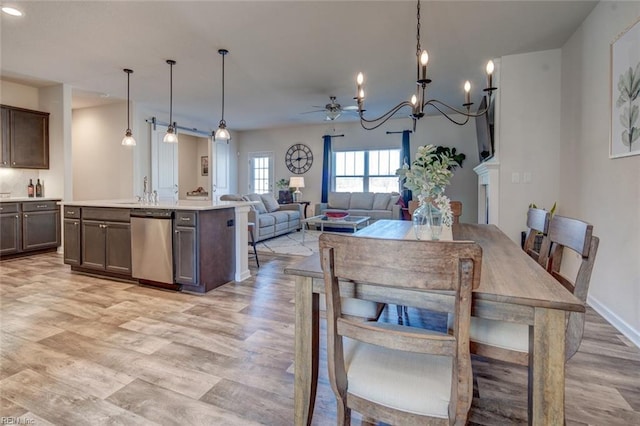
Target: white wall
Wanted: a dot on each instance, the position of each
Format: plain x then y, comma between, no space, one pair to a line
529,136
430,130
102,167
602,191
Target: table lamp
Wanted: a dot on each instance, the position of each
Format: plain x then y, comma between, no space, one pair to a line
297,182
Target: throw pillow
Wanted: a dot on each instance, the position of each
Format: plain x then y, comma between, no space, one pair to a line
393,200
270,202
260,208
381,201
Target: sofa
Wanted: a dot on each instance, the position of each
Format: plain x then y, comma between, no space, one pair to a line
270,218
375,205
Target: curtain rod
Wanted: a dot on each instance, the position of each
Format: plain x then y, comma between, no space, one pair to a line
333,136
399,131
155,122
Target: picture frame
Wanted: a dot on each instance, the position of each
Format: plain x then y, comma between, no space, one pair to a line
624,139
204,165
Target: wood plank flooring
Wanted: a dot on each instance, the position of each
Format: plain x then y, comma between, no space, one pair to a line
81,350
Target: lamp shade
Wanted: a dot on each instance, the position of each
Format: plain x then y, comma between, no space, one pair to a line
296,182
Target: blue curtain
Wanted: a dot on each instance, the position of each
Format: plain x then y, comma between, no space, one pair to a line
326,168
405,155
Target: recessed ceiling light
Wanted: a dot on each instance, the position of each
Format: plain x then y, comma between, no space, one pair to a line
12,11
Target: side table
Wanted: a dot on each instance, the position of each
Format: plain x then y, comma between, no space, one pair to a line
305,203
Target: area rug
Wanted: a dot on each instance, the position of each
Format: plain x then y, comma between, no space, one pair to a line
290,244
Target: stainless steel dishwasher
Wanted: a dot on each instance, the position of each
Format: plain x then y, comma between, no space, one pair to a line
152,246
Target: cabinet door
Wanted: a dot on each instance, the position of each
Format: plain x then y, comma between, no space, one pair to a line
29,139
186,255
40,230
118,248
5,134
10,233
72,242
93,244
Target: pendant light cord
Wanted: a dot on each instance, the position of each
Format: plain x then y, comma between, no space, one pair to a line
171,93
223,55
128,123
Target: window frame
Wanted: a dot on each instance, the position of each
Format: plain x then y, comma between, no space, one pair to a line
367,176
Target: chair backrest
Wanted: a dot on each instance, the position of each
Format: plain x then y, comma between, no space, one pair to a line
414,266
456,210
537,225
568,233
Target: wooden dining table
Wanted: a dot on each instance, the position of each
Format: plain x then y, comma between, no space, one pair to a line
513,287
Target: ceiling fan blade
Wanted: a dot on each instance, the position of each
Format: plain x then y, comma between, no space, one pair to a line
350,108
316,110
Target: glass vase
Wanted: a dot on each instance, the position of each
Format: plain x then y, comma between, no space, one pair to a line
427,222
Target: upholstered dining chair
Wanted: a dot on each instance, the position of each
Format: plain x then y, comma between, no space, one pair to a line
388,372
537,224
508,341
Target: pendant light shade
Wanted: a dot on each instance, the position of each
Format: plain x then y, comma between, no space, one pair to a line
128,139
222,134
171,136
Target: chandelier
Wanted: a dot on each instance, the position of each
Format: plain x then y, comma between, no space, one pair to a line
419,102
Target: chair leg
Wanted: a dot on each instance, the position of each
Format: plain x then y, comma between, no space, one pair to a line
253,244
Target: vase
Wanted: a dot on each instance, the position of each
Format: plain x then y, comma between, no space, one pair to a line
427,222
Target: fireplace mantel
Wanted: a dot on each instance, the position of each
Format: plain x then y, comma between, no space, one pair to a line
488,191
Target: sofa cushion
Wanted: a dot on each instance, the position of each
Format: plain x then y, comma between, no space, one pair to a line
393,200
266,220
270,202
339,200
280,217
361,200
381,201
293,215
232,197
260,208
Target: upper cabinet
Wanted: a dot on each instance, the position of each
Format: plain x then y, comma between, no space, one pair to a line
25,138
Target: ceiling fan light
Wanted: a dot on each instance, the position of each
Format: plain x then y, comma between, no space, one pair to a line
333,114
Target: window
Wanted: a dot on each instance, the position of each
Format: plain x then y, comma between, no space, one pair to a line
366,171
261,172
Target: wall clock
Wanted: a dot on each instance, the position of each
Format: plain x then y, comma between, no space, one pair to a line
298,158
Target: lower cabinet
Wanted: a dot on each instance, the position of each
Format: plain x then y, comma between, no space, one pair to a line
185,252
29,226
72,242
106,246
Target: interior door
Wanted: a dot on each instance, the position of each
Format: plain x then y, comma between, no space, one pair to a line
164,165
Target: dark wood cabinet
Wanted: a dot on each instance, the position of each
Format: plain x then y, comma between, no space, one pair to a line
106,244
185,246
10,229
72,242
25,138
29,226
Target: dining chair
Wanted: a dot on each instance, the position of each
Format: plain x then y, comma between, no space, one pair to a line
537,225
509,341
393,373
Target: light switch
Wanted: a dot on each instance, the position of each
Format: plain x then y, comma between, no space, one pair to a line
526,177
515,177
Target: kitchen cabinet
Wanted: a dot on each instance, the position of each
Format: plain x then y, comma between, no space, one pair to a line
29,226
25,138
10,228
105,237
185,248
204,249
71,229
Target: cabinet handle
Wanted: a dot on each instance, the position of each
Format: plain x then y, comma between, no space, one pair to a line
70,212
185,219
26,215
177,232
14,163
41,206
75,223
17,216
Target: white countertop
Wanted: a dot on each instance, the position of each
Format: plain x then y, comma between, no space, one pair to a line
162,204
21,199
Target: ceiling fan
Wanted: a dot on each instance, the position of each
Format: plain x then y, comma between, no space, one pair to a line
333,109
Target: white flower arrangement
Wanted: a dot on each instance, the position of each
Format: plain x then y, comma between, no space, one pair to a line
429,175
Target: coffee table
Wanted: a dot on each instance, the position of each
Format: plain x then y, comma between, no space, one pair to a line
352,222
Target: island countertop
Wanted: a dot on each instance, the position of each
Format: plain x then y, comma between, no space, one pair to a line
161,205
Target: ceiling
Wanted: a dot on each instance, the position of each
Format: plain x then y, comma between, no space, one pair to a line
285,56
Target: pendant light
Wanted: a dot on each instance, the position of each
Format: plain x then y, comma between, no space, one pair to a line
128,139
171,136
222,134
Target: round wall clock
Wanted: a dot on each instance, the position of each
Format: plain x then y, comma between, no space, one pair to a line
298,158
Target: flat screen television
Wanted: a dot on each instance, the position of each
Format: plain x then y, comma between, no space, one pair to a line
484,130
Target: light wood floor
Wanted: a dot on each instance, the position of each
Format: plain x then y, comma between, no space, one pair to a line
79,350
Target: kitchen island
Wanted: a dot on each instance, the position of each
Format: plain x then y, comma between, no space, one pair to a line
191,245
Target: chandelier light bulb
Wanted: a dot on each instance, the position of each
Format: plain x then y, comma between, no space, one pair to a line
414,100
424,58
490,68
467,89
360,79
361,94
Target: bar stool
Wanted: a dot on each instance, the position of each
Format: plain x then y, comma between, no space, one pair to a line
253,242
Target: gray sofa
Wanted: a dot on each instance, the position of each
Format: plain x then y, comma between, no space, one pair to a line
271,219
375,205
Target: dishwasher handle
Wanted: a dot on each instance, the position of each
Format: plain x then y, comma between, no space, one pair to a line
152,213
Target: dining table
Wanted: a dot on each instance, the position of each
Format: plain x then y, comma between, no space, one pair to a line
513,287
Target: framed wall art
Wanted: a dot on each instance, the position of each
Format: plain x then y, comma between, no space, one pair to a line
204,165
625,93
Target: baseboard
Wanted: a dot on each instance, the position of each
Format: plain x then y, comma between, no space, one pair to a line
616,321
